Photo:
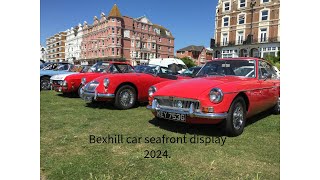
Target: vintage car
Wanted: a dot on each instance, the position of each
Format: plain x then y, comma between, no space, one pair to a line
73,83
124,90
61,68
226,93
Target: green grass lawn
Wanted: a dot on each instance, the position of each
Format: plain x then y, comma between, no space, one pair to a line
66,153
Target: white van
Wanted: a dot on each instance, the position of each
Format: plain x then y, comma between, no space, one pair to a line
165,62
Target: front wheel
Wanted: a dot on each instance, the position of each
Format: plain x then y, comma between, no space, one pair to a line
236,118
45,83
125,97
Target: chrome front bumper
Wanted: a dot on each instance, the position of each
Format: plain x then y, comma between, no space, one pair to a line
89,96
191,113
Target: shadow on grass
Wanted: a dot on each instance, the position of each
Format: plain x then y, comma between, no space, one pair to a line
109,105
216,130
68,95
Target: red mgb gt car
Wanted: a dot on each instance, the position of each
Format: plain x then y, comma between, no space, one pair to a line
74,82
229,91
125,89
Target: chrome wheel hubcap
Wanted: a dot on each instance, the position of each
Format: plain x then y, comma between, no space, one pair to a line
238,114
45,85
126,98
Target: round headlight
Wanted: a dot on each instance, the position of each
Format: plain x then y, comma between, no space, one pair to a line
83,81
106,82
216,95
152,90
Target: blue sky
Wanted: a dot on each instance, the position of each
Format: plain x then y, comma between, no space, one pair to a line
191,22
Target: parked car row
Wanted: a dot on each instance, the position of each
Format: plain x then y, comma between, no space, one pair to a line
226,91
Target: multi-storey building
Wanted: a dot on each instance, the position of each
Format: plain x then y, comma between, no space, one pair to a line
199,54
123,38
56,47
73,43
247,28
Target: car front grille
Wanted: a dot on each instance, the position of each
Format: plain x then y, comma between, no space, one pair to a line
177,103
57,82
91,86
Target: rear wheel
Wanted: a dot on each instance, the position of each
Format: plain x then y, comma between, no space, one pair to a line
79,90
125,97
45,83
276,108
236,118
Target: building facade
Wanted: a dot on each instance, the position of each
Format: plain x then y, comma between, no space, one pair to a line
122,38
73,43
56,47
199,54
247,28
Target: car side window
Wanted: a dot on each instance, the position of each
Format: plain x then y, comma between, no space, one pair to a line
265,69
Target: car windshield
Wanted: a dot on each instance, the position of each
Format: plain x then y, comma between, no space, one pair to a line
63,67
140,69
85,69
120,68
156,70
99,67
191,71
243,68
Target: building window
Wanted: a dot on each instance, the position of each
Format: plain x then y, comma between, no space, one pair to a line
242,3
170,41
264,15
240,37
153,46
132,43
102,52
225,39
112,51
117,51
265,1
241,18
159,39
263,35
112,30
226,6
159,47
226,21
169,49
102,42
112,40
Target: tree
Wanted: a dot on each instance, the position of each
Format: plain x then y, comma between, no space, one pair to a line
188,61
274,60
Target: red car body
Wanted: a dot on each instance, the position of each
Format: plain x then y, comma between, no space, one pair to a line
74,81
189,100
135,84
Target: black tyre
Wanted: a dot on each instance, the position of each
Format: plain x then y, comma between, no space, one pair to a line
276,108
236,118
125,97
45,83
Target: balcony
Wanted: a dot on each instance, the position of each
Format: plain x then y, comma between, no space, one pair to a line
247,42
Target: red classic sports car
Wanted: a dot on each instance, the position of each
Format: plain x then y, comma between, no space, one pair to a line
229,89
73,83
125,89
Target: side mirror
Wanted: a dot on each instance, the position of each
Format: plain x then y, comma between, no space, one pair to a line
267,76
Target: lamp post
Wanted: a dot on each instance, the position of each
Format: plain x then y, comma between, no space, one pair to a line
252,4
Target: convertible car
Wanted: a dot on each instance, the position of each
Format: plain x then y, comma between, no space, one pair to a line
228,92
127,88
73,83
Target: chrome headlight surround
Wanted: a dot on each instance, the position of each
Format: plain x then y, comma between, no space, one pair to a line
106,82
64,83
216,95
152,90
83,81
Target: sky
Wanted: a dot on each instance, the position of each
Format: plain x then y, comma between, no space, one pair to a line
191,22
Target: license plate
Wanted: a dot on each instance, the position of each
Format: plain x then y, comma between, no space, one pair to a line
171,116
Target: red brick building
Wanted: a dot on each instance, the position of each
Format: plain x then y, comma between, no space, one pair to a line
199,54
123,38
